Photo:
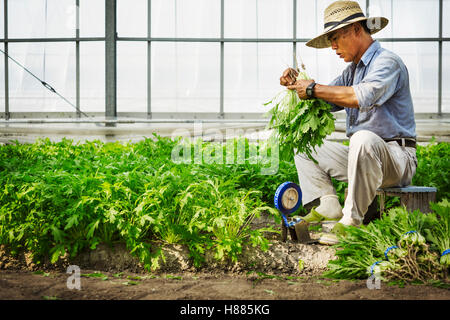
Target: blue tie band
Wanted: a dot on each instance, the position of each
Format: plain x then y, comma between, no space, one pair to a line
389,249
373,266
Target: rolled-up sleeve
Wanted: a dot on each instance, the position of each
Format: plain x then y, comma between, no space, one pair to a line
379,84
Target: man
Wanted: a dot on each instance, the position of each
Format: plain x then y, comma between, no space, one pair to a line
374,91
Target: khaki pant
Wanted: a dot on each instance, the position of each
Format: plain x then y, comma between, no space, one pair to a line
367,164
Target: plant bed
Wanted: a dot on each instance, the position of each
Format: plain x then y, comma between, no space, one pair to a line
64,203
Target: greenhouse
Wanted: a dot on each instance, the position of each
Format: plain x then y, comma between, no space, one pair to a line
224,150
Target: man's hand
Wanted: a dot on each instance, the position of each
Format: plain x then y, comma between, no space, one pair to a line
300,86
289,76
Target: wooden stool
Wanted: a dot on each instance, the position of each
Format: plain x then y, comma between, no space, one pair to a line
413,197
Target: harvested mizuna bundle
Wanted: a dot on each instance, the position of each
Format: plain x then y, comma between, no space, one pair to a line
298,124
439,236
401,246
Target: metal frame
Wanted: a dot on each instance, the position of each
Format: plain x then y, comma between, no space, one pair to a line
7,113
149,60
110,59
111,39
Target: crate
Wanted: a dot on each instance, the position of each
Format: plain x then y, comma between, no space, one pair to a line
412,197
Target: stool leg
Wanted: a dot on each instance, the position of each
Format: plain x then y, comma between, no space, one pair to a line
407,201
382,198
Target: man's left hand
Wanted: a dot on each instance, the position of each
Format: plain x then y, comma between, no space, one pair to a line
300,86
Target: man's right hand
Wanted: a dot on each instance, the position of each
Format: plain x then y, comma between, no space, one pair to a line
289,76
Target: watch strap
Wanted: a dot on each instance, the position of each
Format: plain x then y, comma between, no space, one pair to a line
310,89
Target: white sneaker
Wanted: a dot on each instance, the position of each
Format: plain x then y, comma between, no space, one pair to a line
328,239
327,226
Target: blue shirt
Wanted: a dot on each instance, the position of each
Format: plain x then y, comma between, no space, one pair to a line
381,84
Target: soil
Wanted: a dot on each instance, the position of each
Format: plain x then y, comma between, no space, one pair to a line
201,286
286,271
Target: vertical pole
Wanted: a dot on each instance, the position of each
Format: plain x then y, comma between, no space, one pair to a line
149,59
294,30
77,56
7,114
222,57
440,59
110,59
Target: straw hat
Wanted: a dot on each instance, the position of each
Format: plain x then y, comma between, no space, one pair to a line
340,14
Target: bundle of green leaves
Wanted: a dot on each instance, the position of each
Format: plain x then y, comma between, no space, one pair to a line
299,125
439,235
396,245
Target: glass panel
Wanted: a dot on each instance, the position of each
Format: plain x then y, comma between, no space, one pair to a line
41,18
2,19
53,63
185,77
187,18
92,18
407,18
446,77
258,19
252,73
2,80
92,76
132,76
132,18
446,19
421,59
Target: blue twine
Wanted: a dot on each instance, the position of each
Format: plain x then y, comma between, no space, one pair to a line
292,223
286,223
373,266
445,252
412,231
389,249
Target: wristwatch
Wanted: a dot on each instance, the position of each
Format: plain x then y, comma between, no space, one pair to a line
310,90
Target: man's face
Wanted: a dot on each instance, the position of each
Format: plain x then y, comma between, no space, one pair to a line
344,42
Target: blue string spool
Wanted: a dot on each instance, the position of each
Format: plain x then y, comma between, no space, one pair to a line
288,197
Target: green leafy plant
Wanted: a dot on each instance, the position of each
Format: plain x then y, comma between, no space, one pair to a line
57,199
433,167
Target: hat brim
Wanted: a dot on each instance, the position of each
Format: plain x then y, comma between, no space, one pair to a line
375,24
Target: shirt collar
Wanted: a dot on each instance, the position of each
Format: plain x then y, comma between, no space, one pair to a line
367,56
